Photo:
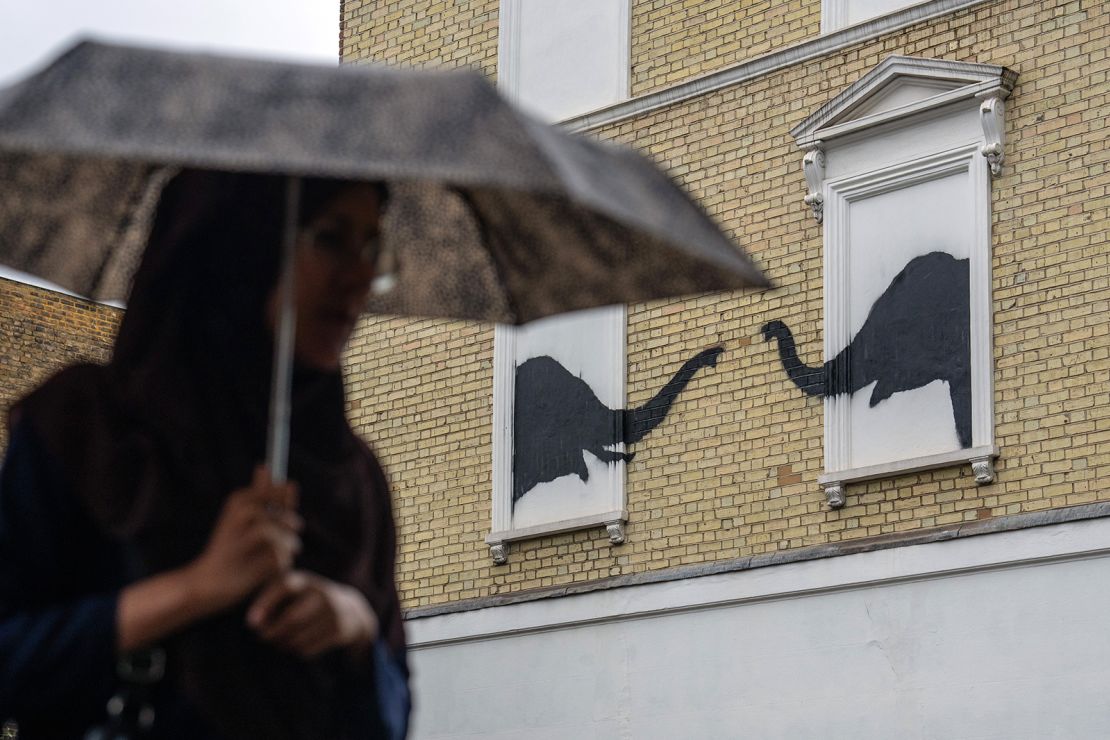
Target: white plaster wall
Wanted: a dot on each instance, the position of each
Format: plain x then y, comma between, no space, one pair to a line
998,636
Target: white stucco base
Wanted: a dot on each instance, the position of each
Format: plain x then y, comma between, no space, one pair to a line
995,636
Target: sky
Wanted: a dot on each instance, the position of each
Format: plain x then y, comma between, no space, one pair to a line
34,31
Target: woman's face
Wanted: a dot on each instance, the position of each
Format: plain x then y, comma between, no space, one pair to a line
335,258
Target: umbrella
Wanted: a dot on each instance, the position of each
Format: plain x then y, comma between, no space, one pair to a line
498,217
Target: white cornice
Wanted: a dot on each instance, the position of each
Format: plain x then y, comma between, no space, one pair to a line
963,81
766,64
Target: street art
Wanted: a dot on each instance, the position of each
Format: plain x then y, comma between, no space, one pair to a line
558,418
916,332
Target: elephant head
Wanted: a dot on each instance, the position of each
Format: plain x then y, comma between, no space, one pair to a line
916,332
557,418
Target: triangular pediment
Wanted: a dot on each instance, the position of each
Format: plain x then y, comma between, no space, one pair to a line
900,87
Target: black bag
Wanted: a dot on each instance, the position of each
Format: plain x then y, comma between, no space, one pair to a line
130,711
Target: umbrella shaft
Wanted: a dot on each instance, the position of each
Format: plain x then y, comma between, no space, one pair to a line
277,442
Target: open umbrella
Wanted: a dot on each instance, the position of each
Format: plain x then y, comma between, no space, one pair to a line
501,217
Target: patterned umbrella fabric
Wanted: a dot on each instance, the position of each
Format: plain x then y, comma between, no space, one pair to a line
493,216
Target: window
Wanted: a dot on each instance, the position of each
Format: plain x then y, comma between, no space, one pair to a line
837,14
559,384
899,168
562,58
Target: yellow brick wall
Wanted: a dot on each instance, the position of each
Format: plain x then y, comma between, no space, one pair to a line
41,332
447,33
421,392
674,40
732,471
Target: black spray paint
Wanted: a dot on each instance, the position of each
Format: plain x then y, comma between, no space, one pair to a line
917,331
557,417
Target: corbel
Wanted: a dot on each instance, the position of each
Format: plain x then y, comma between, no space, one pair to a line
499,551
992,115
813,164
834,495
983,468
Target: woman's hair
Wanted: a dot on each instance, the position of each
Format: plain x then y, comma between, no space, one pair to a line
316,192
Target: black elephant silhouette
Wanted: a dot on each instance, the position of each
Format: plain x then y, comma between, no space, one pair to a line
557,418
918,331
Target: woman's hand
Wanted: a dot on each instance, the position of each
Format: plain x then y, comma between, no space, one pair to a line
308,614
255,540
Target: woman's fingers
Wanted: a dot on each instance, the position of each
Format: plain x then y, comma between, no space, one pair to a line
274,496
307,614
295,616
302,613
313,640
266,604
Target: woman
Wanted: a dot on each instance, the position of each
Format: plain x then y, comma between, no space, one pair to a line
133,512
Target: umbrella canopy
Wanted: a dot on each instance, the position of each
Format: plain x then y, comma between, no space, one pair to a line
493,216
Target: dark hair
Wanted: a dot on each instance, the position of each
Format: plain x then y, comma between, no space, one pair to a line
317,191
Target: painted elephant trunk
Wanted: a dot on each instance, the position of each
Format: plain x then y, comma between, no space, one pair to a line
639,421
811,380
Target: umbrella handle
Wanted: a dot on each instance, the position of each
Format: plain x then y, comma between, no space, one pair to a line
277,435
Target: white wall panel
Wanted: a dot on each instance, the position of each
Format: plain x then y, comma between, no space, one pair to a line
997,636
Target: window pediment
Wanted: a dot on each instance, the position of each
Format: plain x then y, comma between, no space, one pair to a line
900,87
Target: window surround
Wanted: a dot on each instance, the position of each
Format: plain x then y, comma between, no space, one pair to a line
504,393
876,119
610,330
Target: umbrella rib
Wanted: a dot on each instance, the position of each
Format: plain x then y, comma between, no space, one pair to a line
140,207
485,236
118,230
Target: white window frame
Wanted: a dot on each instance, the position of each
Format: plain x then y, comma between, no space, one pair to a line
509,49
612,333
834,14
839,195
613,322
885,155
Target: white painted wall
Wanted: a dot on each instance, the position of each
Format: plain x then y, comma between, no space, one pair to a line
996,636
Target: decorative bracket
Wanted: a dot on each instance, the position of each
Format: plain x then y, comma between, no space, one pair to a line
615,529
813,164
991,115
983,468
834,495
499,551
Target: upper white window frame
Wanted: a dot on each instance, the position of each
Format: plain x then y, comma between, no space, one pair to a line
837,14
509,49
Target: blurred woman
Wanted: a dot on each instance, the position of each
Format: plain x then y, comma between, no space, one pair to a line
135,520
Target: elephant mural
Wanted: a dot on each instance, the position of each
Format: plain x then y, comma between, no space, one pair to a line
557,418
918,331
